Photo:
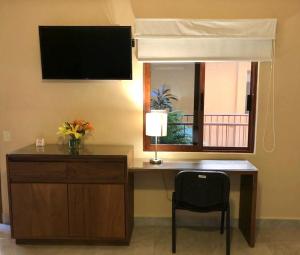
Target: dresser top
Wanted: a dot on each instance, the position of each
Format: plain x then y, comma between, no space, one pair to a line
63,150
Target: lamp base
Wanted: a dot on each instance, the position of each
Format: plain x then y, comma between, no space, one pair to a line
155,161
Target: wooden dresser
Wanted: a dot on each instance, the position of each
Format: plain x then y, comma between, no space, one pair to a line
58,196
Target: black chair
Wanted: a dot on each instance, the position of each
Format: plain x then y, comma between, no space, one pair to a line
202,191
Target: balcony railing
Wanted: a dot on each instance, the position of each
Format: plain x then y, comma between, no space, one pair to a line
226,130
220,130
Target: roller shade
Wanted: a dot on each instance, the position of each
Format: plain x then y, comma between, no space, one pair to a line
205,40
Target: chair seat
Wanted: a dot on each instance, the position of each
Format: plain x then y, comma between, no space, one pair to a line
189,207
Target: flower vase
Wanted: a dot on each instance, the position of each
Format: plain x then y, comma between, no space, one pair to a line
74,144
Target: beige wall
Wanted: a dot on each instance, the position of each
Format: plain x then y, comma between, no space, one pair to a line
30,107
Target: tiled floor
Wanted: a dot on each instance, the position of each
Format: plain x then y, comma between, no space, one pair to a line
281,239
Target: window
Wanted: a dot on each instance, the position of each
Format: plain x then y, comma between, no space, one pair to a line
211,106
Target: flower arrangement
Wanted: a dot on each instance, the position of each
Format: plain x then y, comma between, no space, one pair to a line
76,129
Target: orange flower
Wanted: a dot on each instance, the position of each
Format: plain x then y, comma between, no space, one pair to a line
76,128
89,126
78,122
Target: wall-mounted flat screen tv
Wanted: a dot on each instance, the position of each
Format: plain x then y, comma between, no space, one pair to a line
86,52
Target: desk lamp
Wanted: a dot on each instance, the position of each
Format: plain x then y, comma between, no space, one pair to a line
156,125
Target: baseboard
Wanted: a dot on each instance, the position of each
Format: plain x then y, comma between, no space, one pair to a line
212,222
5,218
269,223
187,222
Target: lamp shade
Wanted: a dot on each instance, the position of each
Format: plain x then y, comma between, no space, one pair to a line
156,123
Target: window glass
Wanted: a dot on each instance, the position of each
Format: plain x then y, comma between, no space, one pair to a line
226,117
211,105
172,88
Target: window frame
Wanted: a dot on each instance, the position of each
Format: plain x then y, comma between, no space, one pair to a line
198,126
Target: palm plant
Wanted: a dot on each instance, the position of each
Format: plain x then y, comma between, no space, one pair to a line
161,98
176,133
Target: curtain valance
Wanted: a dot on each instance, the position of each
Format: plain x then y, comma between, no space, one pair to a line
204,40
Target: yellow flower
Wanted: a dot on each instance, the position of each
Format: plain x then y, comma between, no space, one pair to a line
75,129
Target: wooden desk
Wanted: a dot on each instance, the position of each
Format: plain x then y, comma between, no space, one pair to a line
243,168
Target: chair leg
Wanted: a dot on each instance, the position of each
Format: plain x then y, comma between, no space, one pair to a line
222,222
228,237
173,227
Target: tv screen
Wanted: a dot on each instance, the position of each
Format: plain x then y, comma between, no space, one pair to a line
86,52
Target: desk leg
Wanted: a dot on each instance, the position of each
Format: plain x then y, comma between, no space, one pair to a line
247,215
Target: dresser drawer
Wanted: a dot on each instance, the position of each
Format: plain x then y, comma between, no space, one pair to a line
97,172
37,171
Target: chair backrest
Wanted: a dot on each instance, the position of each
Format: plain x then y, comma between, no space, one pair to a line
202,189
